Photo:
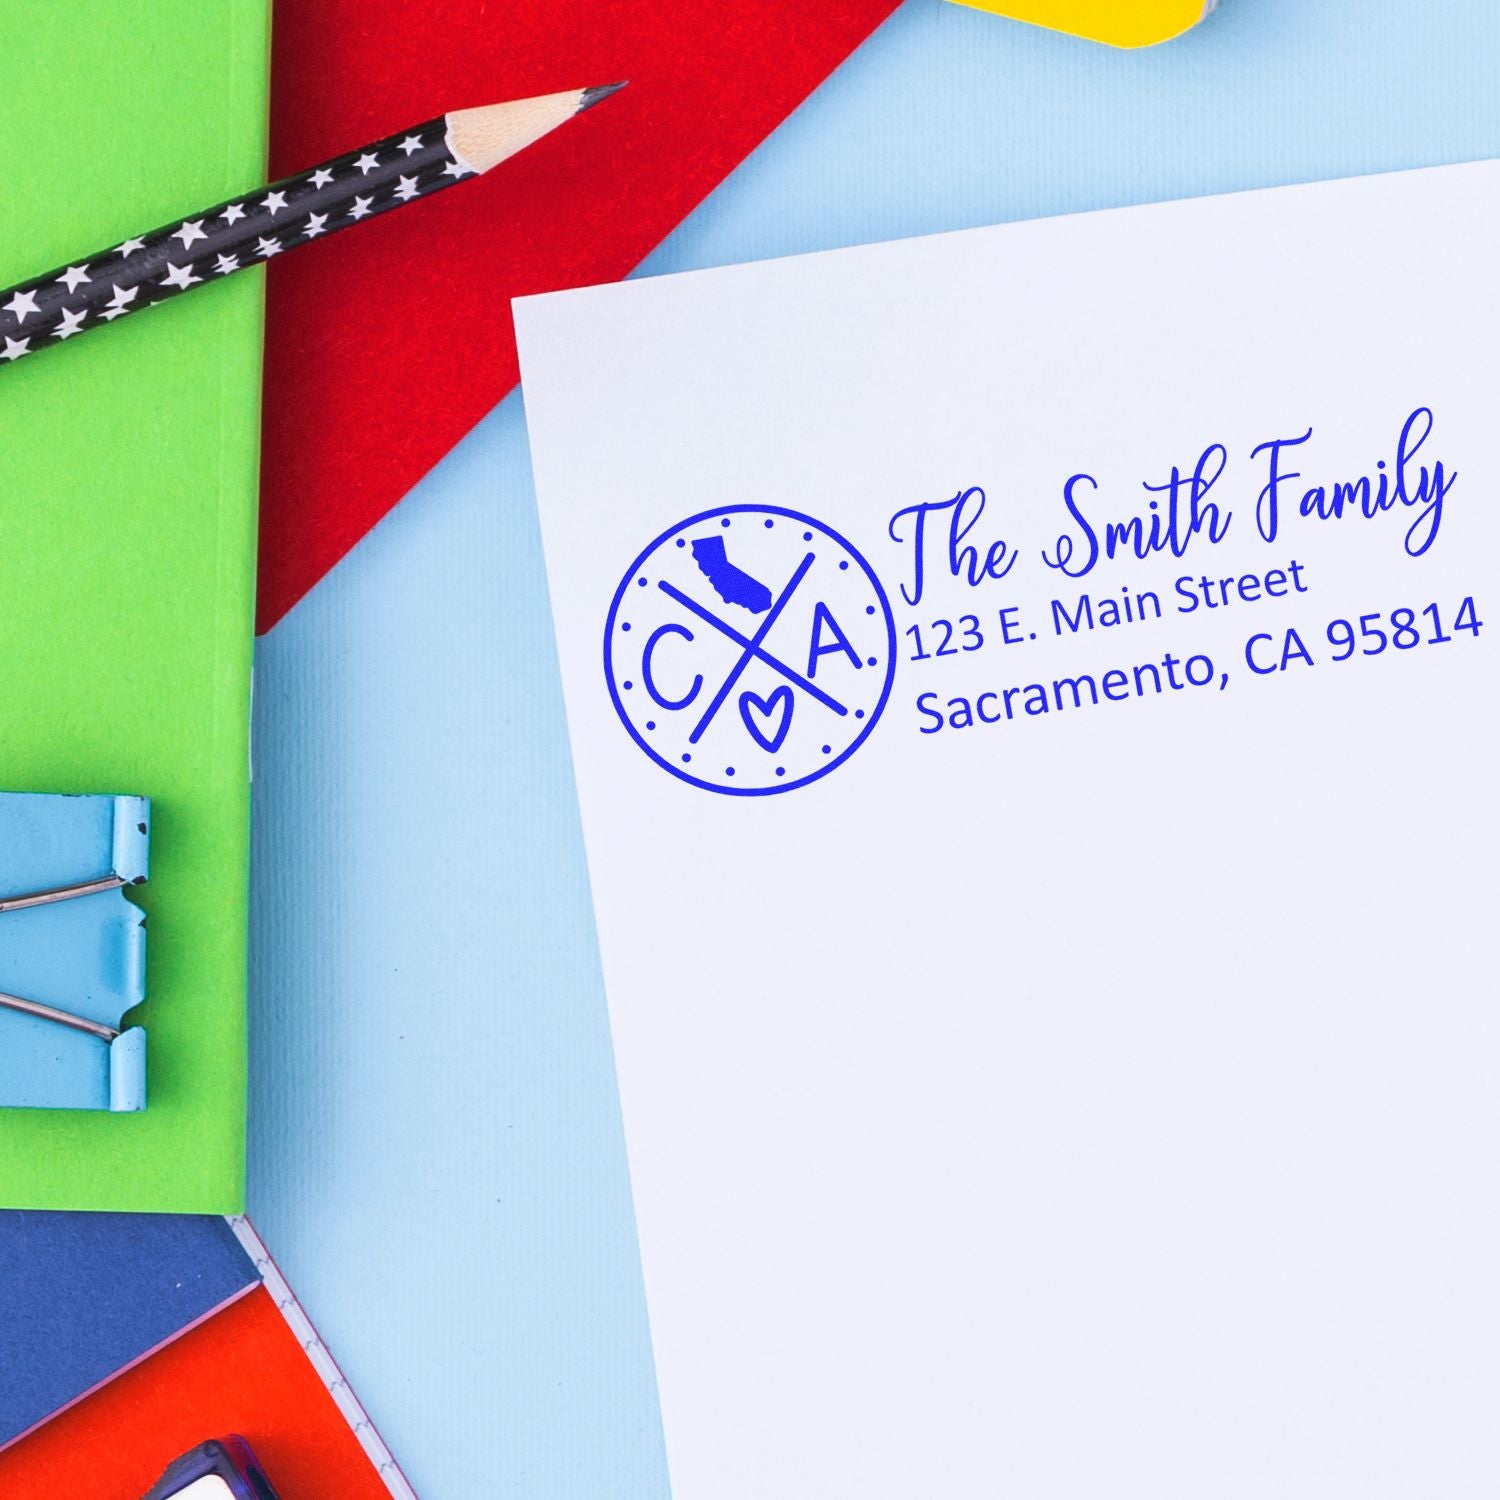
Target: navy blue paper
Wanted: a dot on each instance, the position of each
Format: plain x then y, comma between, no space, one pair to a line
82,1296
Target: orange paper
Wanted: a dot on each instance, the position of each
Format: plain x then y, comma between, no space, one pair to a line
243,1371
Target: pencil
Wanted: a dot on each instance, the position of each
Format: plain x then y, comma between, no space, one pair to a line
248,230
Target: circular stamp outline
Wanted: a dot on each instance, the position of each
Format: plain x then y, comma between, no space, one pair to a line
890,656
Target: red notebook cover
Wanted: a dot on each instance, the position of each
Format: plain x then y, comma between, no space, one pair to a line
254,1369
385,345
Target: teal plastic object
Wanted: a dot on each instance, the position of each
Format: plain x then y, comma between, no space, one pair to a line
84,955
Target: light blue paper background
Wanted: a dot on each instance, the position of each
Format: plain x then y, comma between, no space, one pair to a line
436,1154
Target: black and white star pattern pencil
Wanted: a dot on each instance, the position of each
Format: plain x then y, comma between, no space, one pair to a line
250,229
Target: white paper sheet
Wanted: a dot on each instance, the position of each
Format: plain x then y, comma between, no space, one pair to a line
1090,1102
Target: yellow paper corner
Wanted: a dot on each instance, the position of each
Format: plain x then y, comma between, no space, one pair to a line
1142,24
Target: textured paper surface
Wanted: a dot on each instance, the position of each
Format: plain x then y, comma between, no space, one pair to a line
1089,1102
241,1372
1136,23
387,347
425,661
82,1296
127,523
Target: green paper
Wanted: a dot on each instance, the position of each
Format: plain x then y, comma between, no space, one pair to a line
127,554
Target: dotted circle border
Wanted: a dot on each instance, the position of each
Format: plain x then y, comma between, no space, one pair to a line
890,655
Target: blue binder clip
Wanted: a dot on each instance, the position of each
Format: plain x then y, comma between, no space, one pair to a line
72,951
224,1469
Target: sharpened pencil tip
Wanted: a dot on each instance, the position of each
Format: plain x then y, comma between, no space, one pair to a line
592,96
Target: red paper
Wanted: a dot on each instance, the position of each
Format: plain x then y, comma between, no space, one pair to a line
242,1371
386,344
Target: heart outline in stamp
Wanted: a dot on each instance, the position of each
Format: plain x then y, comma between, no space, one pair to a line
766,707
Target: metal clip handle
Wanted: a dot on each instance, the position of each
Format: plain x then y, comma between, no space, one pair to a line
62,1017
62,893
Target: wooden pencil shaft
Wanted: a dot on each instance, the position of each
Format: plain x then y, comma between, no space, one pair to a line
255,226
483,138
247,230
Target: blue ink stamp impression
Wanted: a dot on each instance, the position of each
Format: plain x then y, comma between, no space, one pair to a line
749,650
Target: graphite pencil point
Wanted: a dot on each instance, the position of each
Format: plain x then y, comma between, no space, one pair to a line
592,96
